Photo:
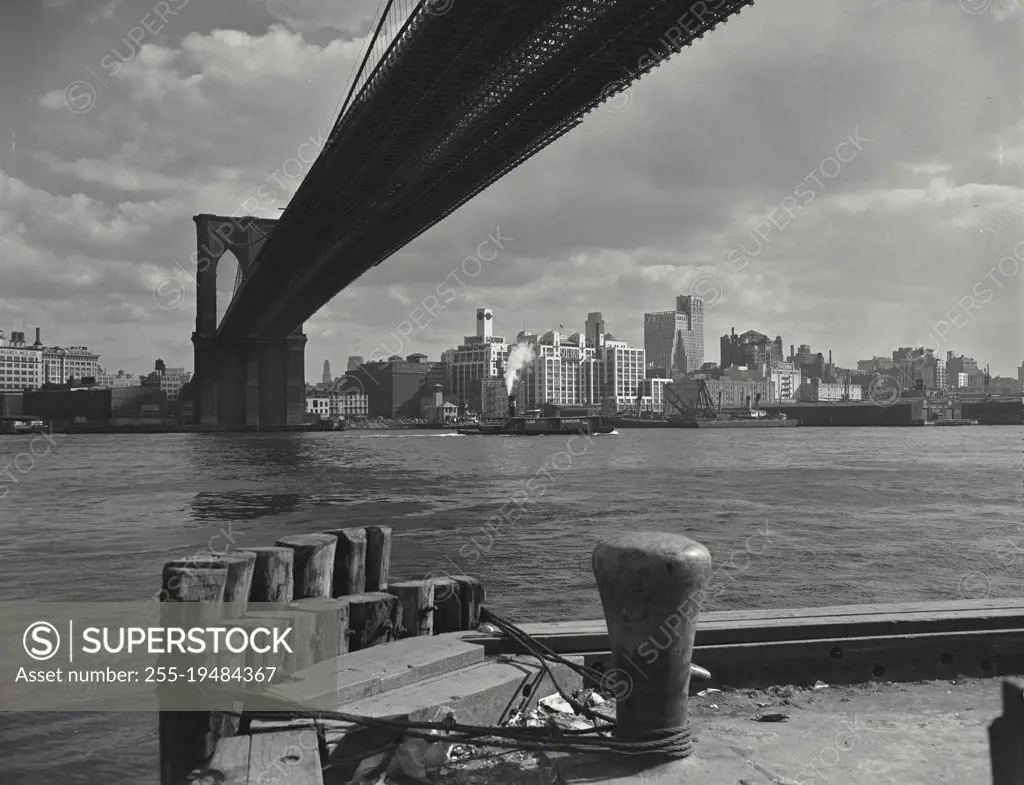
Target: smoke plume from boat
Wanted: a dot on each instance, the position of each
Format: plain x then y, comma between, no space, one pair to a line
520,355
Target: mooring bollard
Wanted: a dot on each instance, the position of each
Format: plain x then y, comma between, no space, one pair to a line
651,586
1006,736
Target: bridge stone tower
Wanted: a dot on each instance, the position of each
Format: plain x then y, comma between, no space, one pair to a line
252,383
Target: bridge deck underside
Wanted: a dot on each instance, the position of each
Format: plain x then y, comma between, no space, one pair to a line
462,99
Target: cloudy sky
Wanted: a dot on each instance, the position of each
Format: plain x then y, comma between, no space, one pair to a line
723,173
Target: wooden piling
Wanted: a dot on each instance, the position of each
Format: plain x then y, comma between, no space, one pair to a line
378,557
471,597
417,601
238,585
1006,736
374,618
332,625
349,561
188,738
447,605
272,579
313,567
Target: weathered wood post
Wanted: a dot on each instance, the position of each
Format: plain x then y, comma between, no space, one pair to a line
378,557
273,579
349,561
192,596
332,625
471,597
417,601
313,563
238,583
374,617
652,590
447,605
1006,736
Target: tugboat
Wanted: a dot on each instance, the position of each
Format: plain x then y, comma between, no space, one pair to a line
537,425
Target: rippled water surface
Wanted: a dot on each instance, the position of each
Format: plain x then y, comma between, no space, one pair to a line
841,515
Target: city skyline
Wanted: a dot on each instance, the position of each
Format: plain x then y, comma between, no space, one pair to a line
913,207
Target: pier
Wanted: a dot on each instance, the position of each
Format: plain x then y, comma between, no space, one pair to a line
391,668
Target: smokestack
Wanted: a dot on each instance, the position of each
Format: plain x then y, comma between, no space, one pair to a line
512,405
829,356
38,340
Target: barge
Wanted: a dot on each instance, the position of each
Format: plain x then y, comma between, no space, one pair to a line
740,421
534,424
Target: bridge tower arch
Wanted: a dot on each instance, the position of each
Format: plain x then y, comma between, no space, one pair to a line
253,383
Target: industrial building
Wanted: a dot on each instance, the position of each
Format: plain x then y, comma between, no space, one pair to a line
481,356
30,366
394,387
786,379
21,364
750,349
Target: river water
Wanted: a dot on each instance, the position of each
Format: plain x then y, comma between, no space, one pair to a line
792,517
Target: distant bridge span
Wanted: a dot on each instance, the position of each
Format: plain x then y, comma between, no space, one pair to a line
454,101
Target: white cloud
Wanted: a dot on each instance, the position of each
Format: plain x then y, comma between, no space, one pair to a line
620,216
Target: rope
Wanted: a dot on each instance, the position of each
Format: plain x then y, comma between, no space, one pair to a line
676,742
672,742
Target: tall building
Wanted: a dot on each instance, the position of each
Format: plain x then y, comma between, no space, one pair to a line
663,344
1020,373
481,356
21,363
693,338
624,370
595,330
556,373
327,373
568,371
674,340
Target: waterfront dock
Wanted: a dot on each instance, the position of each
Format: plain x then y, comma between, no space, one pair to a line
895,693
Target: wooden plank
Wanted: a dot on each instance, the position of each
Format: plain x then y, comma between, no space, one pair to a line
349,561
349,677
898,658
766,626
417,600
287,756
969,606
378,557
229,764
1006,737
313,568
